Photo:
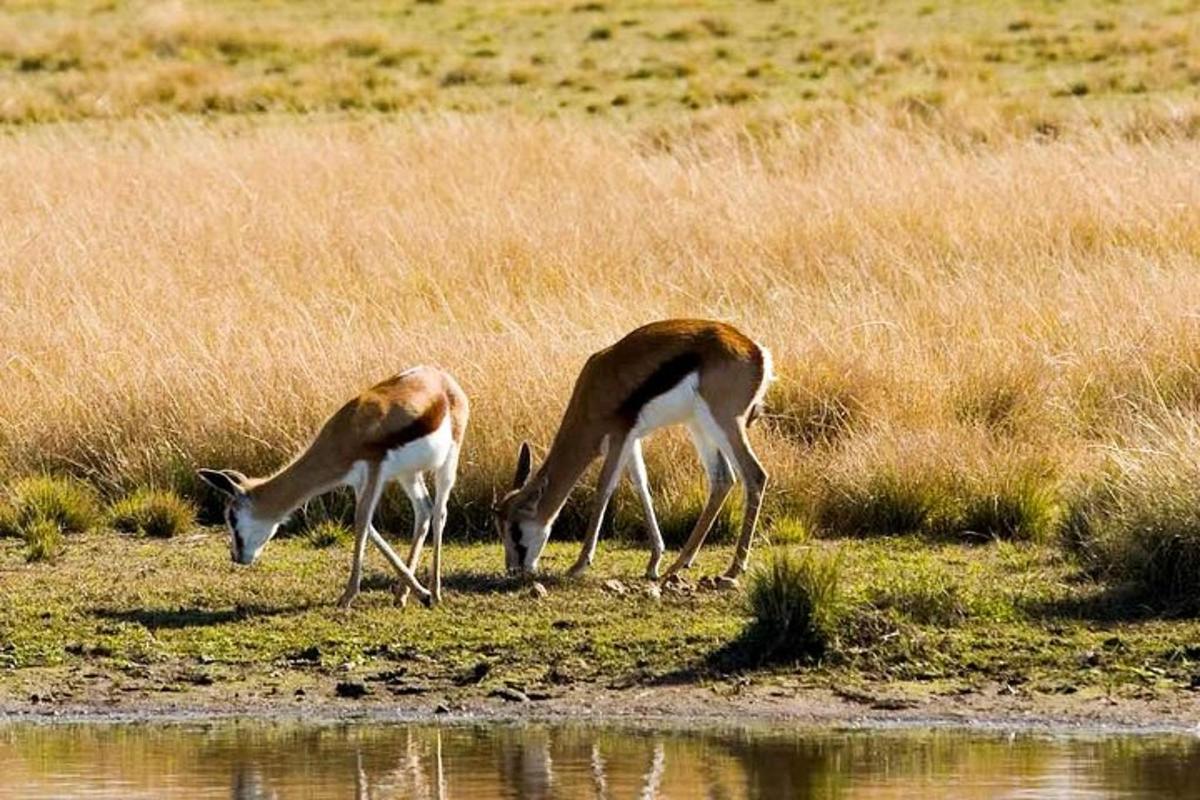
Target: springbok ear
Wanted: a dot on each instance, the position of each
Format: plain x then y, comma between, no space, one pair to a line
220,481
524,466
237,477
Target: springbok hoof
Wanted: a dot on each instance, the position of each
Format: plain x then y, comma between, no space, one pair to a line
428,600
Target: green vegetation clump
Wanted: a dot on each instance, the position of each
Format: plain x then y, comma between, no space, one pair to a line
1139,525
152,512
43,541
942,501
327,533
793,605
70,505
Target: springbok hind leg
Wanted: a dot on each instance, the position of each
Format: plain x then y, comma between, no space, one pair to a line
720,481
754,477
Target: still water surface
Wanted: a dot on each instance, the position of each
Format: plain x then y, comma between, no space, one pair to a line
247,761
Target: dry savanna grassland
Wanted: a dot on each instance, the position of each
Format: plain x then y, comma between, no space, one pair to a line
968,233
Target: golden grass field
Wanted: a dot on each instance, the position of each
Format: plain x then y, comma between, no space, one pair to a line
970,240
1010,314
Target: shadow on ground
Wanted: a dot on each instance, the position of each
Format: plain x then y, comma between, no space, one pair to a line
176,618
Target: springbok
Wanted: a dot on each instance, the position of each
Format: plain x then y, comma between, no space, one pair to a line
706,375
399,429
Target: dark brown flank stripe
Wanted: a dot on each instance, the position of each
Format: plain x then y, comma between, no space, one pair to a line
423,425
662,380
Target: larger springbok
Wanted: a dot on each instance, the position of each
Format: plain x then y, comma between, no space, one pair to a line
399,429
706,375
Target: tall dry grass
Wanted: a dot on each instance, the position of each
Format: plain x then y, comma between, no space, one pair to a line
973,322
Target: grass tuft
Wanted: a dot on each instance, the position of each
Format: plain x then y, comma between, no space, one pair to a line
327,533
43,541
152,512
1139,523
70,505
793,603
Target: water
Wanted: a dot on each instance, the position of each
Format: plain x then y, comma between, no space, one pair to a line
247,761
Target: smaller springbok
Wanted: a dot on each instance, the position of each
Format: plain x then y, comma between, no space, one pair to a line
399,429
706,375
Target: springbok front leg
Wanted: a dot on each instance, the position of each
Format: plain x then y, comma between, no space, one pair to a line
637,473
366,500
610,474
422,508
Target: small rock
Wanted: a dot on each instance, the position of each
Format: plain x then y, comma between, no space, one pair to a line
653,591
351,690
1089,658
615,586
509,694
299,693
537,591
1194,683
441,708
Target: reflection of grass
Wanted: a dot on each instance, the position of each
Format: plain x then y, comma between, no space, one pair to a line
912,611
80,60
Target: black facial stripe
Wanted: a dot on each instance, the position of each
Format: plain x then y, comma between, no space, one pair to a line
514,533
661,381
231,518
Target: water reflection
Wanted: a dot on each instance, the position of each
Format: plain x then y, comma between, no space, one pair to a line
256,761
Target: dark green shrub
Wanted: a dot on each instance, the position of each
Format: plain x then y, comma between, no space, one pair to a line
793,602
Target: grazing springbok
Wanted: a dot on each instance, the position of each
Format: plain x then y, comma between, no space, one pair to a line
706,375
399,429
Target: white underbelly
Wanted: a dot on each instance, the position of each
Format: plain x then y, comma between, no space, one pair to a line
672,407
420,455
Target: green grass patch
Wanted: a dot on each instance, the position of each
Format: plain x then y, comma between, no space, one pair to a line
152,512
